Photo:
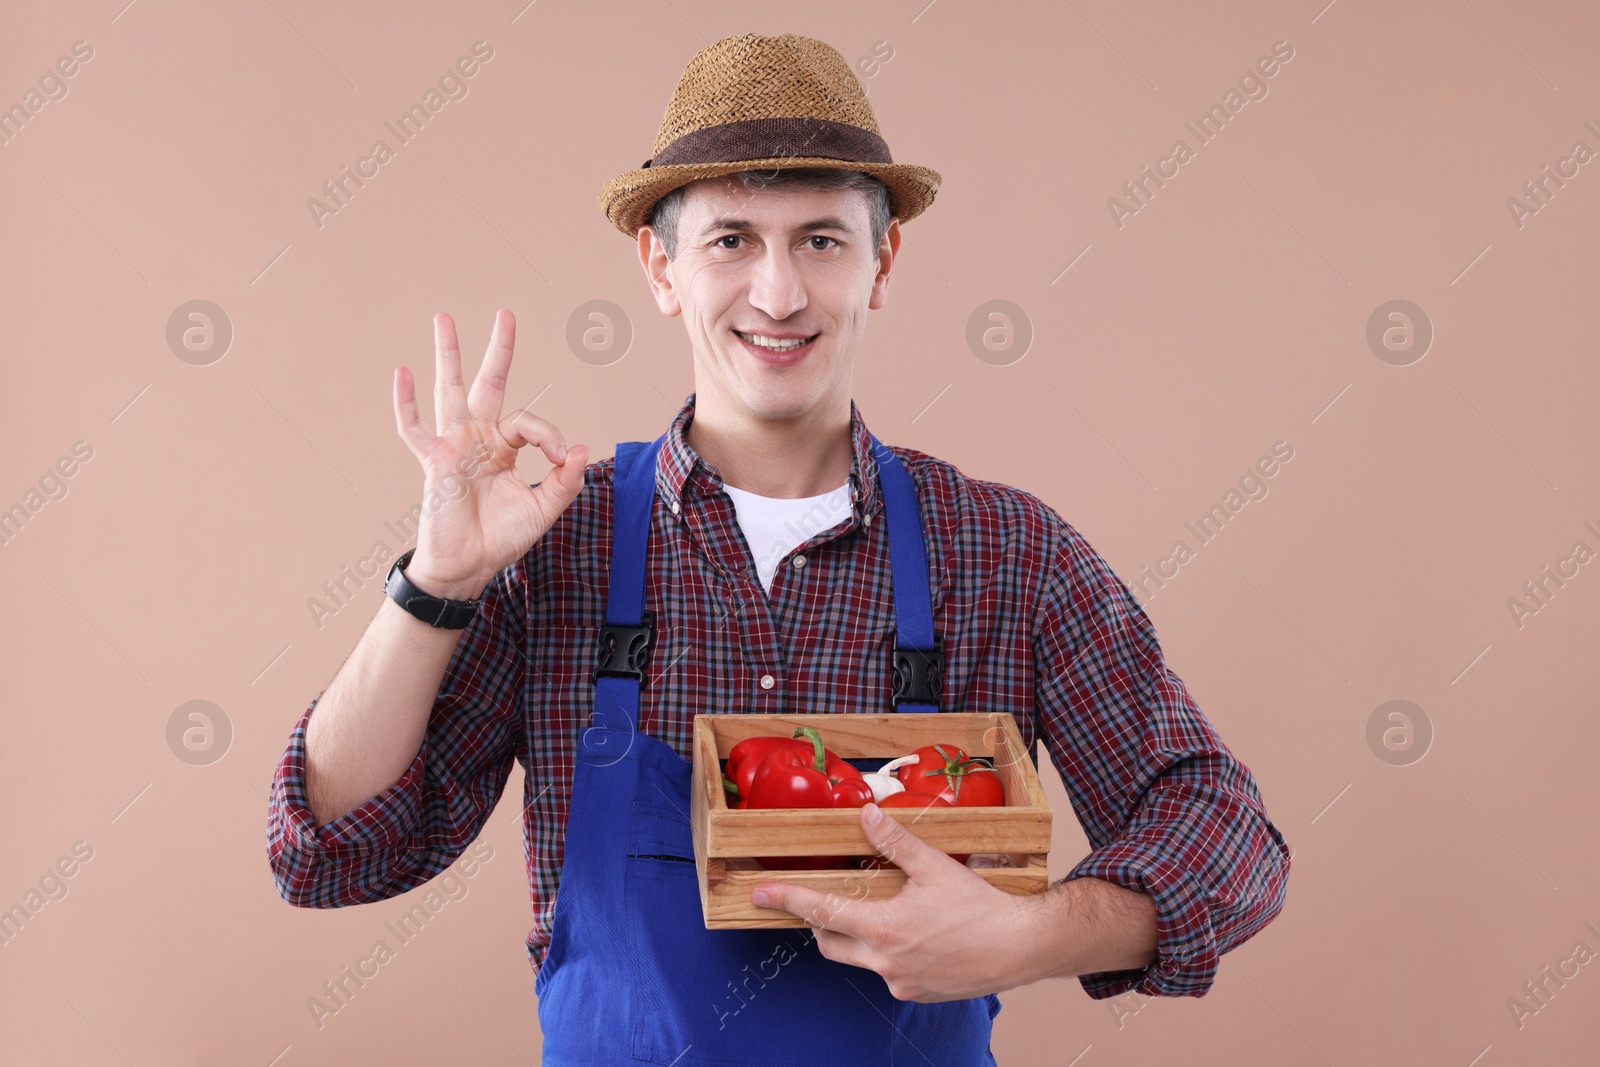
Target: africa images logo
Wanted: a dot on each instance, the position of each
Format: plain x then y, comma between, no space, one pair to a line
1206,128
452,86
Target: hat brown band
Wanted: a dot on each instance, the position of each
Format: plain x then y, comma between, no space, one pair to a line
732,142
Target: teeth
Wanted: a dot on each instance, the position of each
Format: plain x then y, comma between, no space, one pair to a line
772,342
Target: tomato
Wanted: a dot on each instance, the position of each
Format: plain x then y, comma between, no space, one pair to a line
978,788
952,774
913,799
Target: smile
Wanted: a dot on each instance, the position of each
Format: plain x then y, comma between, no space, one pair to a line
774,349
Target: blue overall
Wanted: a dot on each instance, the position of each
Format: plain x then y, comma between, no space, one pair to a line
632,974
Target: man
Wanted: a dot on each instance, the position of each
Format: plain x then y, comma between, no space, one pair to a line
749,546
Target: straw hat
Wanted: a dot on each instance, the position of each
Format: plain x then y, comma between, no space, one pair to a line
759,103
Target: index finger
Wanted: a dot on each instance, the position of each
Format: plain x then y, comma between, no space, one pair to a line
489,387
825,911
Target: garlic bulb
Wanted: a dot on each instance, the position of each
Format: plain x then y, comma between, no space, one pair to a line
883,781
989,859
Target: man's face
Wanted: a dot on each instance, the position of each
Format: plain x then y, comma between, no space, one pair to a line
771,265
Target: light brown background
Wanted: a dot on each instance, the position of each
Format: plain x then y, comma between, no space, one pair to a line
1228,314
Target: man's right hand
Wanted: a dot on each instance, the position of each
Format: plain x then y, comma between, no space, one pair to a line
489,517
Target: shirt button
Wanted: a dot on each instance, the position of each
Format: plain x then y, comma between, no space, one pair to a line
867,521
674,507
767,681
799,561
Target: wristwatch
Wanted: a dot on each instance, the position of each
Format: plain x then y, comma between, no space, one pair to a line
435,611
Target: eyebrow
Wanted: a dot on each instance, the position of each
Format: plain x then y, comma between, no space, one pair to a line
827,222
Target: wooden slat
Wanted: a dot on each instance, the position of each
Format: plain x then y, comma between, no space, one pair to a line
729,906
837,831
857,736
1012,763
697,816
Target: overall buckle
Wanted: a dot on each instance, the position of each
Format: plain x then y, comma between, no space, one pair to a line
624,650
918,674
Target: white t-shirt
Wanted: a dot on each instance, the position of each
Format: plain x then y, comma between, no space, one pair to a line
773,526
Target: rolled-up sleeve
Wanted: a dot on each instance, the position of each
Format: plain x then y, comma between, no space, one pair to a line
1166,807
417,827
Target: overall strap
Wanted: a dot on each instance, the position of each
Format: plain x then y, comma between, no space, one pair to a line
918,653
629,631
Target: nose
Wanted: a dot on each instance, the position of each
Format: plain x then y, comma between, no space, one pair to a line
776,286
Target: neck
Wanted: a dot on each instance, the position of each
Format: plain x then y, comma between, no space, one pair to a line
808,455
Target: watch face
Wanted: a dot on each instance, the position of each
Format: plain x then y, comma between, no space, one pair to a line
395,576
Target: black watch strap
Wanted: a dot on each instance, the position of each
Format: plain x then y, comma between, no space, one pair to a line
435,611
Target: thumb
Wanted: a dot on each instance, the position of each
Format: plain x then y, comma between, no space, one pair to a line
570,472
555,492
565,480
897,844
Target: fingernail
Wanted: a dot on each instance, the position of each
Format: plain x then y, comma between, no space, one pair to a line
759,898
561,453
872,813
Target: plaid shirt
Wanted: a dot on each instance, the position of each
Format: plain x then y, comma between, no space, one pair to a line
1034,623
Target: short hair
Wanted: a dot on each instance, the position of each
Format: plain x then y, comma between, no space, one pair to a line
665,214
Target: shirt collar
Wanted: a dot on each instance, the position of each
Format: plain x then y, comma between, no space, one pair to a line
680,469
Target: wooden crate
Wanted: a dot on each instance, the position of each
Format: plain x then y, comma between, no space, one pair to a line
726,838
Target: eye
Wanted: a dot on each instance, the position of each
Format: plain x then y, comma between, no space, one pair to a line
819,237
728,237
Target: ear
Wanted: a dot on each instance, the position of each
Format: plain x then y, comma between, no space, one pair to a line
888,248
657,271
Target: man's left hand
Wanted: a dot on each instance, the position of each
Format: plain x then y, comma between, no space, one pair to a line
947,935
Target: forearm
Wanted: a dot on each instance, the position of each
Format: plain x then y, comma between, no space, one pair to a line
369,723
1085,925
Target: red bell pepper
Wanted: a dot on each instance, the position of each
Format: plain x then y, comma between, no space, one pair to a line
787,779
746,756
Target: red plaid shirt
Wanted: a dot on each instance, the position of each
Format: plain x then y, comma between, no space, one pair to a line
1034,623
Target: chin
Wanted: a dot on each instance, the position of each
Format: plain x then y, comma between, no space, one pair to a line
778,404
